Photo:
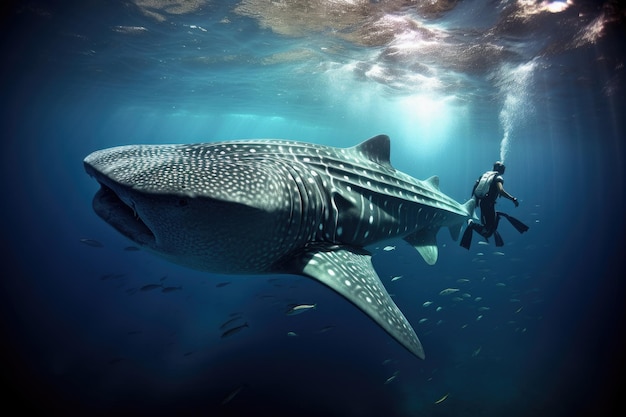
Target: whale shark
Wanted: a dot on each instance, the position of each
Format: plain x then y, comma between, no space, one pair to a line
270,206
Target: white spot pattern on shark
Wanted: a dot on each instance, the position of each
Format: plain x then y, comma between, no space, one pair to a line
277,206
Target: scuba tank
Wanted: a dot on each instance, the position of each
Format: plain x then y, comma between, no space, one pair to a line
481,189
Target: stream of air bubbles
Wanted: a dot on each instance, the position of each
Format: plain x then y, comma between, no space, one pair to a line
513,84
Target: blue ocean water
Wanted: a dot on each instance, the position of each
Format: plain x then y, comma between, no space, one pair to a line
537,327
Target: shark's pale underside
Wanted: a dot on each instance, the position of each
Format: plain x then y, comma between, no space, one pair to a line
277,206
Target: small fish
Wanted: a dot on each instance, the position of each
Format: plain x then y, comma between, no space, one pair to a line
171,289
457,299
91,242
466,295
299,308
424,320
462,280
326,329
439,309
232,395
477,299
234,330
482,242
442,399
448,291
519,309
427,303
479,317
500,284
499,253
222,284
389,248
391,378
396,278
483,309
292,334
477,351
230,321
150,287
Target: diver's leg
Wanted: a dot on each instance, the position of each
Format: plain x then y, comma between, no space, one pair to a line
519,226
489,219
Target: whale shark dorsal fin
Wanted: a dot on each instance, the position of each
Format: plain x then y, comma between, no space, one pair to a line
376,149
433,181
349,271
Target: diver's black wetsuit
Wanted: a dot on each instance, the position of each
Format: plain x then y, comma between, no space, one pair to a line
488,216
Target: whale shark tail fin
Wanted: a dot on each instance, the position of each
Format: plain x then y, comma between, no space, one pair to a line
470,206
455,230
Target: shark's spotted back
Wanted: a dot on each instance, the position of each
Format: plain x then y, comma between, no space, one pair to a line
276,206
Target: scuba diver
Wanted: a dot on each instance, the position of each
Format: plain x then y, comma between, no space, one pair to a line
486,190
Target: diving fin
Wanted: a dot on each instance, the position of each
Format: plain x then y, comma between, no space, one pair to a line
519,226
498,238
466,240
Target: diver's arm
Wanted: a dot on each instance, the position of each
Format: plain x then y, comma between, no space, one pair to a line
504,194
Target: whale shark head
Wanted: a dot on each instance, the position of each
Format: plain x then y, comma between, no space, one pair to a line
226,215
277,206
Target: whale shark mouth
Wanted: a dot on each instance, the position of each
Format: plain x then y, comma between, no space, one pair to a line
124,218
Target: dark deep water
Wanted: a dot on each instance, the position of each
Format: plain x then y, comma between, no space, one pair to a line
538,325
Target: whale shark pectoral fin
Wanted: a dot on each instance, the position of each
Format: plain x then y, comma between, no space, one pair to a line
349,272
455,231
425,241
